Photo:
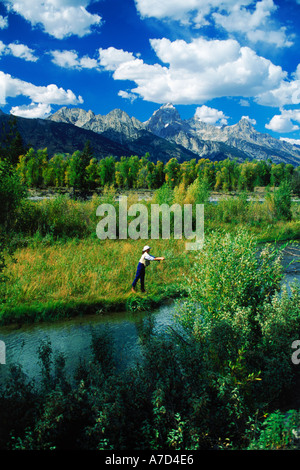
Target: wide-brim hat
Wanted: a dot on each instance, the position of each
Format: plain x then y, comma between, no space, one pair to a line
146,247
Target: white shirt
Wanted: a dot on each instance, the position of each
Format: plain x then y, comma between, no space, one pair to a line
146,258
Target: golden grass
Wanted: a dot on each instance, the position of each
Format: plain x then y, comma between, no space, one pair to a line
90,271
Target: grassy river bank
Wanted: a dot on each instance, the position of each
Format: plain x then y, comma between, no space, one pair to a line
60,268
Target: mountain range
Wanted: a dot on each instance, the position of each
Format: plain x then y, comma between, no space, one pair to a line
164,135
202,140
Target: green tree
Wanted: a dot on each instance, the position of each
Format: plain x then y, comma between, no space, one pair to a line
73,177
172,172
283,201
263,173
92,174
31,167
158,174
197,192
188,172
247,176
12,191
206,171
142,176
133,169
277,174
54,172
85,158
228,275
288,171
295,183
151,176
76,175
127,170
106,170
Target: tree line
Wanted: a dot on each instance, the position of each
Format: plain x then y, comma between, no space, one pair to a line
81,170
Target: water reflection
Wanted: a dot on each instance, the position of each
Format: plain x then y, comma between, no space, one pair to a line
73,338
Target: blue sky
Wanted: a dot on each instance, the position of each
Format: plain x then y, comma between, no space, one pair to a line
220,60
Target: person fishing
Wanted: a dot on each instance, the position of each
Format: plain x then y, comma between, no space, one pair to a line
143,262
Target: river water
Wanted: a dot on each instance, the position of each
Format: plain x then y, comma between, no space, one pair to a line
73,337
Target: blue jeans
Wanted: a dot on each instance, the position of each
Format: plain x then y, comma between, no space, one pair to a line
140,274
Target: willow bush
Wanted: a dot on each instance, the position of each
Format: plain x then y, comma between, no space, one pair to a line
243,318
230,272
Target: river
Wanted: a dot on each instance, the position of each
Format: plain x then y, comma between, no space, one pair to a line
72,337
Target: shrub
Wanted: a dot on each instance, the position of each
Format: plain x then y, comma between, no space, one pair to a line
277,432
163,195
232,209
197,193
283,201
11,194
58,217
243,322
228,274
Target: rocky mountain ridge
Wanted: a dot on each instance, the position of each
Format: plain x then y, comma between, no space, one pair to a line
199,139
243,137
114,136
120,128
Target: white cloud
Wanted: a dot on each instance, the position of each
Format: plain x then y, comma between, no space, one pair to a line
277,38
2,48
22,51
285,122
51,94
70,59
58,18
244,103
88,63
193,12
256,24
296,75
287,92
65,59
108,59
12,87
127,96
211,115
40,110
196,72
112,58
290,141
242,17
18,50
198,53
3,22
